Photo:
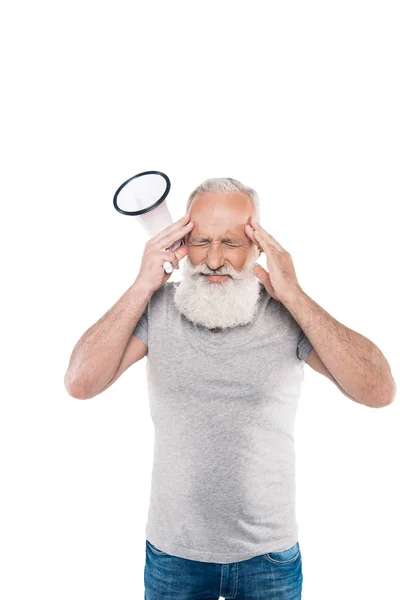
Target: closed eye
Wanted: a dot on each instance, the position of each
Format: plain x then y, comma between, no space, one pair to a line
226,244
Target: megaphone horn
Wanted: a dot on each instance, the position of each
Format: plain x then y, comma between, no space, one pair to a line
143,196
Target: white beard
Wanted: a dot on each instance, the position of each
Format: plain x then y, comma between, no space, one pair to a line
228,303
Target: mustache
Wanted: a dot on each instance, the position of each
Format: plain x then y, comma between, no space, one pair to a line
197,271
213,273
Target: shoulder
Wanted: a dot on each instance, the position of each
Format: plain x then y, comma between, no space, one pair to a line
162,297
163,291
282,317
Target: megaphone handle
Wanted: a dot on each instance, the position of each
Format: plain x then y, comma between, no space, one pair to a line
168,268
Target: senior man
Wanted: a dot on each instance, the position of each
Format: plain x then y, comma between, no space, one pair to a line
225,347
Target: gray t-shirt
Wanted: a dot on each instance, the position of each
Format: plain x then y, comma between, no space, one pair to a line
223,407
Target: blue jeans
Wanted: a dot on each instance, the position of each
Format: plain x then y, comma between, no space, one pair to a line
272,576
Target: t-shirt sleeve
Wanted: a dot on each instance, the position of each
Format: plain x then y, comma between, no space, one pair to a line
141,329
304,346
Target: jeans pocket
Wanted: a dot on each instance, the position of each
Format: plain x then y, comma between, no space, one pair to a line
284,556
154,549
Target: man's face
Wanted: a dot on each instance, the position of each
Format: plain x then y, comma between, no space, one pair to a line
219,288
218,236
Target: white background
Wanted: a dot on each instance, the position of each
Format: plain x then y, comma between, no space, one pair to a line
299,100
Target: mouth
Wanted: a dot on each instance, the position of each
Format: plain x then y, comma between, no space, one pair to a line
215,277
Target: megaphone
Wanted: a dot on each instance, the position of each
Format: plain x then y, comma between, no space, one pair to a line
143,196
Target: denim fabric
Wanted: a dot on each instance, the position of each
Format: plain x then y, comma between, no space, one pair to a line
271,576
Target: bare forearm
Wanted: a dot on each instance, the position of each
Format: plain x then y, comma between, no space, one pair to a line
98,353
355,362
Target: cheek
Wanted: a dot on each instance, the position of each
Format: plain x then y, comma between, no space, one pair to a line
195,256
238,260
194,252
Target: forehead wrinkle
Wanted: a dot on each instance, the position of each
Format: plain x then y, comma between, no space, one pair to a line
234,236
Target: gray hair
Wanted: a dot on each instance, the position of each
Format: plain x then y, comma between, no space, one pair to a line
227,185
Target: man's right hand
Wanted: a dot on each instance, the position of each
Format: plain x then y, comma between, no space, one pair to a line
151,273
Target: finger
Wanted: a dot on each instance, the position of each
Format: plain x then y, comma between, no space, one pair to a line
181,252
168,240
267,239
250,233
170,257
170,230
262,234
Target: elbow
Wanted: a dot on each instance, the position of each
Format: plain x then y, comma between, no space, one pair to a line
75,388
386,395
391,393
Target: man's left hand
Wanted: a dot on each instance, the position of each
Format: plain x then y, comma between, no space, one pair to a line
280,280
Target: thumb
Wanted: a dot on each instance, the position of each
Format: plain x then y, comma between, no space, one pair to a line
181,252
263,276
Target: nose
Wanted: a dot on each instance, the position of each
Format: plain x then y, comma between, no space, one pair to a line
215,257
